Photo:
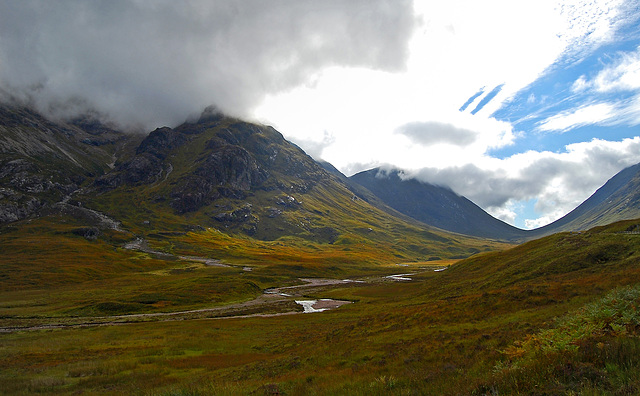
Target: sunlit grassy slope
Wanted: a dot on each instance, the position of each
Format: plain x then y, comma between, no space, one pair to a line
48,268
280,195
451,332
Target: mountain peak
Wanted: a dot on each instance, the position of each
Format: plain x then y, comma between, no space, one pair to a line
210,114
434,205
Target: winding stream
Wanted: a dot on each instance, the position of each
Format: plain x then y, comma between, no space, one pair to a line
268,299
264,303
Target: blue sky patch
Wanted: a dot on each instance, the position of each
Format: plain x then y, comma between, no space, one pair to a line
471,99
487,98
525,210
554,95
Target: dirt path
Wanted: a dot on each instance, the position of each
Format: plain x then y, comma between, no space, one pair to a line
310,282
140,244
56,326
262,306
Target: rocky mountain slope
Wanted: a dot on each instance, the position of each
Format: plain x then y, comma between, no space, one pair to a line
42,161
217,173
220,171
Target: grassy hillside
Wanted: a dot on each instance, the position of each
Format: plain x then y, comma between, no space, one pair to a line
479,327
246,180
58,258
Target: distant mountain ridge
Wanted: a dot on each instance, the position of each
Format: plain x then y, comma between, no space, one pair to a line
434,205
618,199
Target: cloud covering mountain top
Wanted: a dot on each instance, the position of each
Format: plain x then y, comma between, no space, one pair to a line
149,63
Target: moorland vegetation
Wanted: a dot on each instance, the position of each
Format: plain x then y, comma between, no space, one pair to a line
551,316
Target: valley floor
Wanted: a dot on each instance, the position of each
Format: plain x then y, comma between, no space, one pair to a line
268,304
559,315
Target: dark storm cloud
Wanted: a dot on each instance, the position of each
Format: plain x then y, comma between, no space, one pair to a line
154,62
427,133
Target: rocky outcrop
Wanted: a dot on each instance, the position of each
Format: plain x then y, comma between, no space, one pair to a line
228,171
26,189
42,161
226,158
15,206
161,142
147,165
89,233
232,166
141,169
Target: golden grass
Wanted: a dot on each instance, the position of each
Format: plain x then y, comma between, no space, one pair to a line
442,333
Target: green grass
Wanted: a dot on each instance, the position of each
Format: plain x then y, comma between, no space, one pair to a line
595,349
451,332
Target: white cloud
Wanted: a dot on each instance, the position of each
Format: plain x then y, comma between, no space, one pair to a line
580,85
506,212
619,112
623,75
588,24
559,181
459,47
585,115
530,224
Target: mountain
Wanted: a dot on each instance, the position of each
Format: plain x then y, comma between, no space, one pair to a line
42,161
618,199
434,205
215,174
365,194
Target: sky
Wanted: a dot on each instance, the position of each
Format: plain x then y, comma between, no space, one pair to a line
525,107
